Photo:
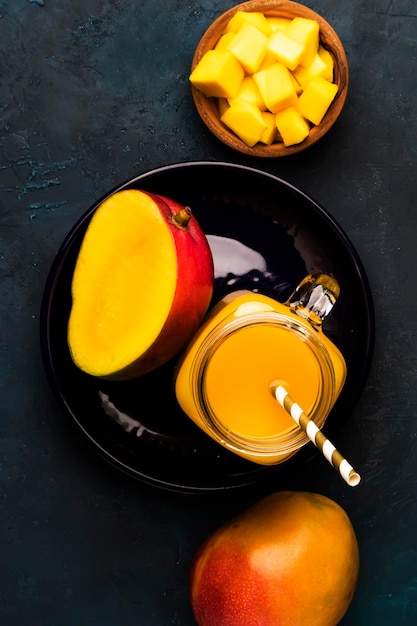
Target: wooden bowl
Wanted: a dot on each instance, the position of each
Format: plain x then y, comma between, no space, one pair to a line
208,107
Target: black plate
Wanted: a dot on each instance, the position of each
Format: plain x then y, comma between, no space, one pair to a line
137,425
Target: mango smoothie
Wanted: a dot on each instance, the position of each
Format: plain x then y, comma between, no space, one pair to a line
223,382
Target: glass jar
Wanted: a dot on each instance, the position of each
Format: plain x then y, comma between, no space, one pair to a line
249,342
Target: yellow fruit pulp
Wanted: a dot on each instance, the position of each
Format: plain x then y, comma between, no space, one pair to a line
269,134
307,32
218,74
304,75
292,126
246,120
224,41
256,18
249,47
223,105
327,58
286,49
126,266
278,23
316,99
250,92
276,87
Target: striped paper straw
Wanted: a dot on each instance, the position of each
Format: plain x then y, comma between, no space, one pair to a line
315,435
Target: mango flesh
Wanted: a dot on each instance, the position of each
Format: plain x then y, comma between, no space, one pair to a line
316,99
249,47
307,32
292,126
246,120
249,91
286,49
269,134
131,307
256,18
327,59
318,67
278,23
218,74
291,559
276,87
224,41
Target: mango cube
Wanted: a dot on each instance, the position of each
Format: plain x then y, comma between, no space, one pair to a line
245,120
307,32
249,47
304,75
276,87
218,74
250,92
327,59
297,86
278,23
224,41
292,126
223,104
316,99
270,133
256,18
286,49
268,59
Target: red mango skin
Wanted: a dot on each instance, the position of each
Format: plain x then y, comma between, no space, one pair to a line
193,292
292,559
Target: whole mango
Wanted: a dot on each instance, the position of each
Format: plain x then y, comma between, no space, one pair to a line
292,559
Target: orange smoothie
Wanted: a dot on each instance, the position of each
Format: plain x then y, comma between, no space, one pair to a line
223,380
241,370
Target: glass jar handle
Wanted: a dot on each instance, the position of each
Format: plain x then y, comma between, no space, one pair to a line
314,297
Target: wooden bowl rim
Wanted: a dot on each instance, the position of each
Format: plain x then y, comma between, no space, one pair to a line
207,107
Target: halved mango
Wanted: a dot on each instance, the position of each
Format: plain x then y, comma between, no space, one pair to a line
141,285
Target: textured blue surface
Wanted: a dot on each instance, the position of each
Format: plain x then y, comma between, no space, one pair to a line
95,92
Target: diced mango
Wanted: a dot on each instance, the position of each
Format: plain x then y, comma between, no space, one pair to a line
292,126
327,58
316,99
250,92
256,18
245,120
278,23
218,74
270,133
271,75
307,32
297,86
268,59
249,47
286,49
224,41
276,87
223,104
304,75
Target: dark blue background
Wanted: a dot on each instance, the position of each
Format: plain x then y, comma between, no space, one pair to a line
93,92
